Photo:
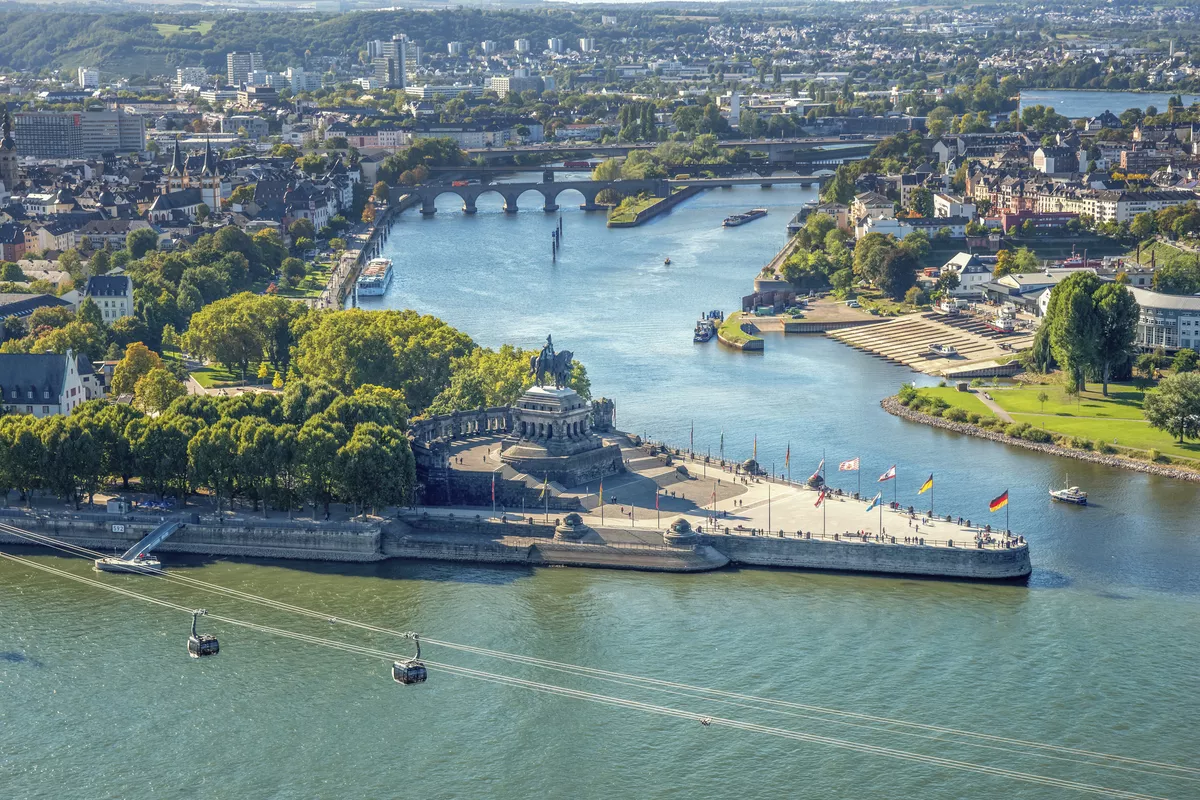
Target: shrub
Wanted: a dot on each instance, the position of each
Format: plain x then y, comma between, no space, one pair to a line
907,393
936,411
973,418
1154,455
941,384
955,415
1037,435
1079,443
1106,448
976,382
987,423
1016,429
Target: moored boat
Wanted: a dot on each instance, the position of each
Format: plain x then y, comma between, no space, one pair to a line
375,277
944,350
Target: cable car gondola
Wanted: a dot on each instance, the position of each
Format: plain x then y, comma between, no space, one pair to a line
410,670
201,644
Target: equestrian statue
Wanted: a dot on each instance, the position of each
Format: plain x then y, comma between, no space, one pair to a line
555,366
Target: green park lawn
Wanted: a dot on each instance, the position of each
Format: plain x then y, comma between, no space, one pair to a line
630,211
1122,433
214,376
967,401
731,330
166,30
1115,420
1124,401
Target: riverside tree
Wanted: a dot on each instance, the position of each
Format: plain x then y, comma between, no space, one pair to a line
1088,331
1174,406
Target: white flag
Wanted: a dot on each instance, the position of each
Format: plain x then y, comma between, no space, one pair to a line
848,466
887,476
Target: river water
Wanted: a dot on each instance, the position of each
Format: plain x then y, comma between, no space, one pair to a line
1091,103
1098,651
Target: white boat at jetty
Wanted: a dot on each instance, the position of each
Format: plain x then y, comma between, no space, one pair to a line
943,350
375,277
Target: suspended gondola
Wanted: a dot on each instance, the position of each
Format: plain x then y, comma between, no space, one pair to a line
410,670
201,644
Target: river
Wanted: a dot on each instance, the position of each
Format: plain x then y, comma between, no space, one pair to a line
1098,651
1091,103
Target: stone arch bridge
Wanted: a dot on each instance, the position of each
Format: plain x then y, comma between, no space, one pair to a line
429,194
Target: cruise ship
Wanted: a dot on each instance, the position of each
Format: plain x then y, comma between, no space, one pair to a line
375,277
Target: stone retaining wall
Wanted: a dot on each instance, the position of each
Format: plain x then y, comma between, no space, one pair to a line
947,562
893,406
299,542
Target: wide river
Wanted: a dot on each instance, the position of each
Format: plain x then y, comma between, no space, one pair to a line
1098,652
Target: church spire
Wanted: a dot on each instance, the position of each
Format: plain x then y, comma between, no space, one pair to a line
178,165
210,161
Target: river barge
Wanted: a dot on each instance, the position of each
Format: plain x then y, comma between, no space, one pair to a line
735,220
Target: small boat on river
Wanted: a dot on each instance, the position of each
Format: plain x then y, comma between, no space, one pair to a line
1072,494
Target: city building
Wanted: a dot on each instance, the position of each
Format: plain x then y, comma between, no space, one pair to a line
454,48
113,294
191,76
390,64
1168,321
49,134
238,66
521,46
111,132
587,44
88,78
43,384
554,45
488,47
10,159
504,85
972,273
446,91
255,127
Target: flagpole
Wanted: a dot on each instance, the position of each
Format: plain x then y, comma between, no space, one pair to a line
769,498
859,458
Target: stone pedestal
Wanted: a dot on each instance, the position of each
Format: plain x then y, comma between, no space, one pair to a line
553,439
571,529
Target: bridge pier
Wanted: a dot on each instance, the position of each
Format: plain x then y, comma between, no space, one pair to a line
469,206
428,209
510,205
550,207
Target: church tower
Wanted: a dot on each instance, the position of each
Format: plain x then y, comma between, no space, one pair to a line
210,180
9,159
176,177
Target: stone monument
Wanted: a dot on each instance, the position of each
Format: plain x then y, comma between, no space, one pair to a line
551,434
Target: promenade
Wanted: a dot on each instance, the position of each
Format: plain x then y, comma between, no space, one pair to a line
641,503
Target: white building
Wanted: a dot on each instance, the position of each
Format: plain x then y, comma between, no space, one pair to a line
554,45
521,46
89,78
43,384
454,48
587,44
113,294
952,205
972,274
1168,321
191,76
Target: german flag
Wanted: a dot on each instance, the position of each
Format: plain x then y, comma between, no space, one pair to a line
926,486
999,503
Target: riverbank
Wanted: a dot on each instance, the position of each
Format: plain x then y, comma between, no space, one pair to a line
739,335
652,208
893,406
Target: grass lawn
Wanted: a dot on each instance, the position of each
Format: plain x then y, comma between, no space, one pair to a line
166,30
967,401
1163,253
731,330
872,299
214,376
1125,432
629,212
1124,401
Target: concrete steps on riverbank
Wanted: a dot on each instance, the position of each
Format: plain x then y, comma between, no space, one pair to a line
906,340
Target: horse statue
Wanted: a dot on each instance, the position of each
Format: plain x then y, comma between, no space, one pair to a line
547,363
